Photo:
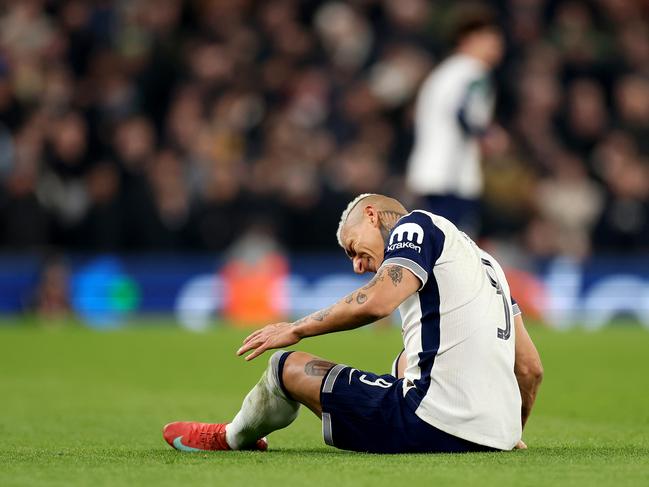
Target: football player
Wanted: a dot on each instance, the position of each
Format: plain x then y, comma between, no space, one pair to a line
468,374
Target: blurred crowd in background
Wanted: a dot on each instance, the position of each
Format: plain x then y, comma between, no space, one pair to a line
163,125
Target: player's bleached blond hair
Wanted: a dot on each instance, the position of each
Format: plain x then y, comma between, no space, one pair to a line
345,215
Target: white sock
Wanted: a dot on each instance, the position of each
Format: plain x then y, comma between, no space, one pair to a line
265,409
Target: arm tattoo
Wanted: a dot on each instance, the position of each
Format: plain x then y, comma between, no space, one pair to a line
378,277
317,316
317,368
321,315
396,274
300,321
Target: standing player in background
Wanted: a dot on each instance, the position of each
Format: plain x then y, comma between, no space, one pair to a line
453,112
466,380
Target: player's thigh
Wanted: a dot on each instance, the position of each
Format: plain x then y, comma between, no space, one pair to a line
302,377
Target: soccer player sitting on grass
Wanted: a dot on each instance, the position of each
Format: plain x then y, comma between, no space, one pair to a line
465,381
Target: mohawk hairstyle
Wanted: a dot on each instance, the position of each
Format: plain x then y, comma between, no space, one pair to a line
343,218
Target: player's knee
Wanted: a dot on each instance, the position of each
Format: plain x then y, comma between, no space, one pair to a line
293,369
302,376
287,370
276,366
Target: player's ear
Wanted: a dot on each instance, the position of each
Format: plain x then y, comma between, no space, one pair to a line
373,215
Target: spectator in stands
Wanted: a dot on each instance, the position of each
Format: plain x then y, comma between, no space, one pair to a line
51,300
132,128
454,110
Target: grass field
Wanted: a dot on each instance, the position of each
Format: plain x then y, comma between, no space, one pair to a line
86,408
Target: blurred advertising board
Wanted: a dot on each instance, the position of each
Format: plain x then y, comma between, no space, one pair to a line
105,290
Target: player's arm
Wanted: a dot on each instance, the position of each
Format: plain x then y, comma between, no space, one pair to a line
527,367
476,107
391,285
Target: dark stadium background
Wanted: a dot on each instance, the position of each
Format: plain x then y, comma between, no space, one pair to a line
194,157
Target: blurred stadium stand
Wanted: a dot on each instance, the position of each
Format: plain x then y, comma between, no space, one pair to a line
168,126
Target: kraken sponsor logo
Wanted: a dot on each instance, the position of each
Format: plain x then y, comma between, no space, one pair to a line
405,236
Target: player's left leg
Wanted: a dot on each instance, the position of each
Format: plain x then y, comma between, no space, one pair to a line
302,378
290,379
293,378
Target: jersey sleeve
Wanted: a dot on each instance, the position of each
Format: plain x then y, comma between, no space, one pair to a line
515,307
475,110
415,243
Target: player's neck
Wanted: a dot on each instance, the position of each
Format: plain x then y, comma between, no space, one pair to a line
476,54
388,219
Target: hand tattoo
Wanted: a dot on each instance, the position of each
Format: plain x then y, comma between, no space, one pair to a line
349,298
361,298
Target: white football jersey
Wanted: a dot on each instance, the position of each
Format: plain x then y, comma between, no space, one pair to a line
446,159
458,333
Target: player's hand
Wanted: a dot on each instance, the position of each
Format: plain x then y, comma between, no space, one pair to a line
277,335
520,445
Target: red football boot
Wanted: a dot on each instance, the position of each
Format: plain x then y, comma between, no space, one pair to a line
192,437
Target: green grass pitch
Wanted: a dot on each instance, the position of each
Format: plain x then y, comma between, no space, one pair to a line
86,408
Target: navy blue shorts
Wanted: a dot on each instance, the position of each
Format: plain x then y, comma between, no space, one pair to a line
366,412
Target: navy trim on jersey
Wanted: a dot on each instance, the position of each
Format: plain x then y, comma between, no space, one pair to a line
420,254
430,336
408,248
